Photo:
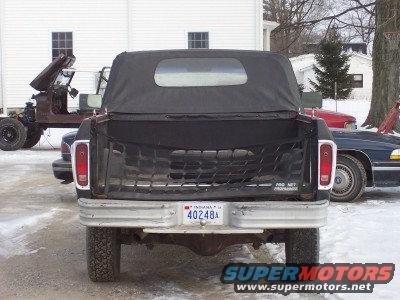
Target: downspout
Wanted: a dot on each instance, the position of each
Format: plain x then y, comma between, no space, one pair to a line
129,24
259,12
268,26
3,109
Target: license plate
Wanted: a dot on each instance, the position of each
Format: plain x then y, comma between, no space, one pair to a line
210,213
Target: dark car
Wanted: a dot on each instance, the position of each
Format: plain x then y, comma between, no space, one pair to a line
62,167
365,158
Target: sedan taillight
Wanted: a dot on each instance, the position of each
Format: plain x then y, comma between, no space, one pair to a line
327,164
82,164
65,148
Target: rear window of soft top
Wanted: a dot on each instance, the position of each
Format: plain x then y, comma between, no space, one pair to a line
200,72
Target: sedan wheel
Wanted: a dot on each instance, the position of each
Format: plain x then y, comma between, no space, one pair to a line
344,180
350,179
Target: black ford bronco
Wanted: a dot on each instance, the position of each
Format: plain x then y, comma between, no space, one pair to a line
203,149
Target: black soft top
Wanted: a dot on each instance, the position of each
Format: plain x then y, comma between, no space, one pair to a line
271,85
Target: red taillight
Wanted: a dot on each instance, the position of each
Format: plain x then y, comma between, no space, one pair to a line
82,164
326,164
65,148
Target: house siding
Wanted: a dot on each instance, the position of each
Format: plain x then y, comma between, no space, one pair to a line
99,32
359,64
165,24
362,65
103,28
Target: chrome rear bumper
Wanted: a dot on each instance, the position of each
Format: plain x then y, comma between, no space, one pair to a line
61,165
166,217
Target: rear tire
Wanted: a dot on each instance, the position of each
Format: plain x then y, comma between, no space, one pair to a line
350,179
302,246
12,134
33,137
103,254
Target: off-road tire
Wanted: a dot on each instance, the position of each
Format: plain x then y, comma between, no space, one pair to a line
103,252
33,137
355,171
302,246
12,134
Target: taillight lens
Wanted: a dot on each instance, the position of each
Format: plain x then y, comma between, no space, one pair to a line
65,148
326,164
82,164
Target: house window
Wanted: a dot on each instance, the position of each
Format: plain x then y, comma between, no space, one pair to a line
198,40
62,44
358,81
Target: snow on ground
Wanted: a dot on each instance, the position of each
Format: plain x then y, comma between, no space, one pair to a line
362,232
356,108
31,157
365,232
51,139
19,221
15,231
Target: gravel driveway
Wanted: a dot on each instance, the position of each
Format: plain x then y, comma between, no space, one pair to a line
42,245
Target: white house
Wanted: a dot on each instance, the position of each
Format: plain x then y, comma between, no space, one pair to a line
95,31
360,69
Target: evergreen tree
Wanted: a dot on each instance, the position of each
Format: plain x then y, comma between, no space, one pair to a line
333,66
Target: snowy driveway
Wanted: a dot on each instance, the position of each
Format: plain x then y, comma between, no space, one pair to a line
42,245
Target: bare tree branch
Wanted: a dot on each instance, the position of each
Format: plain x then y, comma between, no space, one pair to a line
334,16
371,12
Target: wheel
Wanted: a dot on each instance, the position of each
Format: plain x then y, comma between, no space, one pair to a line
103,252
12,134
33,137
302,246
350,179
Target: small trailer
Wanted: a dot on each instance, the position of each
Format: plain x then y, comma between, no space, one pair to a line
49,107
